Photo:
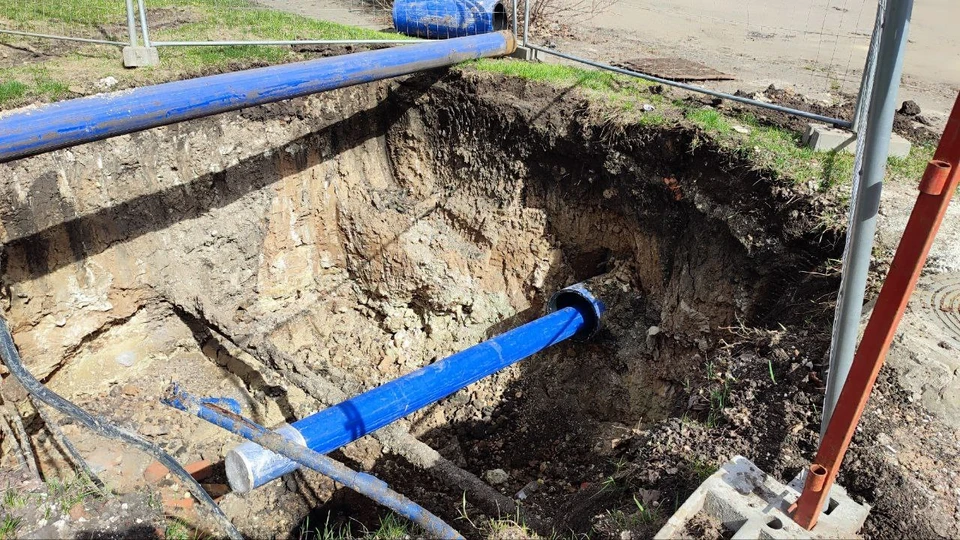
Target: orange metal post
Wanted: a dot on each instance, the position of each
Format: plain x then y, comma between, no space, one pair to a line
936,188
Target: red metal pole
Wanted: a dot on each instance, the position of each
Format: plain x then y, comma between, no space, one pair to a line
936,188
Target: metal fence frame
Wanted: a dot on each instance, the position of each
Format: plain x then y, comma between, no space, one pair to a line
148,43
131,32
859,111
144,28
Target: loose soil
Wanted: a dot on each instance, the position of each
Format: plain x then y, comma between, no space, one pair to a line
293,254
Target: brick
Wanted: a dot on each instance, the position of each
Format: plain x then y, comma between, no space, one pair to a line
155,472
200,470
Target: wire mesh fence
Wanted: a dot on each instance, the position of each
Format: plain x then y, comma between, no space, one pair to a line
98,21
815,46
195,22
221,22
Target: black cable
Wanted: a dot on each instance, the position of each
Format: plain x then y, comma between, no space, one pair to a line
11,358
67,446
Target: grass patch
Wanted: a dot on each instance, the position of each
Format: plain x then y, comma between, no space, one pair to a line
66,494
778,150
13,499
390,527
177,529
701,470
12,90
710,120
182,20
30,83
9,526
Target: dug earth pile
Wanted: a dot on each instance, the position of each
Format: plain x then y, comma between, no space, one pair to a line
295,254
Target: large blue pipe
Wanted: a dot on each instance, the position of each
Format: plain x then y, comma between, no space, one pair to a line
575,312
444,19
78,121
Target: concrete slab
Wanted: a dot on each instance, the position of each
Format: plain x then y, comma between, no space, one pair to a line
140,56
824,138
524,53
751,504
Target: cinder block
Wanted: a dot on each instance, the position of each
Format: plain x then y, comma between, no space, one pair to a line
751,504
140,56
823,138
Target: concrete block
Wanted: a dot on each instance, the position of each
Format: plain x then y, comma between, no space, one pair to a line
524,53
140,56
751,504
823,138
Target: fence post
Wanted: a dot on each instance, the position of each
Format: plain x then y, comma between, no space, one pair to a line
143,23
865,200
869,71
131,25
526,21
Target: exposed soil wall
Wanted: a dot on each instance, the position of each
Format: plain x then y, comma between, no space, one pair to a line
338,241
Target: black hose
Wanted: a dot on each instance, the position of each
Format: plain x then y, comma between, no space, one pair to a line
100,426
67,446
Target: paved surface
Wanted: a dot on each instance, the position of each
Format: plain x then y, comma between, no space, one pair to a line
814,45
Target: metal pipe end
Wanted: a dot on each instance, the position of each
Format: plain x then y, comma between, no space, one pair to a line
589,306
935,177
250,465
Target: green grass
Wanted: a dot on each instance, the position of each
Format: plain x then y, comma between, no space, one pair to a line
768,147
711,120
11,90
645,514
30,82
628,93
177,529
192,20
13,499
701,470
67,493
392,527
9,526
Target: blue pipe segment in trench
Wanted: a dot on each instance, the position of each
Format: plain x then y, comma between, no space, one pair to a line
77,121
210,409
575,312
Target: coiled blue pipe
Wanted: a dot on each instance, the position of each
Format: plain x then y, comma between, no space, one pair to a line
577,313
443,19
78,121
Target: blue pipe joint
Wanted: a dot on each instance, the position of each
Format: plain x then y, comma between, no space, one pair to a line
590,307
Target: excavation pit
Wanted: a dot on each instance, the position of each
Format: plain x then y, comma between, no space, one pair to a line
294,254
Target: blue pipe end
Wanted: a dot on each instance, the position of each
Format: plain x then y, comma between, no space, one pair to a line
590,307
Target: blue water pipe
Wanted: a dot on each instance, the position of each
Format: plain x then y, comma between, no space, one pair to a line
443,19
210,409
574,312
77,121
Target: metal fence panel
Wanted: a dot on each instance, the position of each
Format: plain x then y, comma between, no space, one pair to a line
96,21
816,47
